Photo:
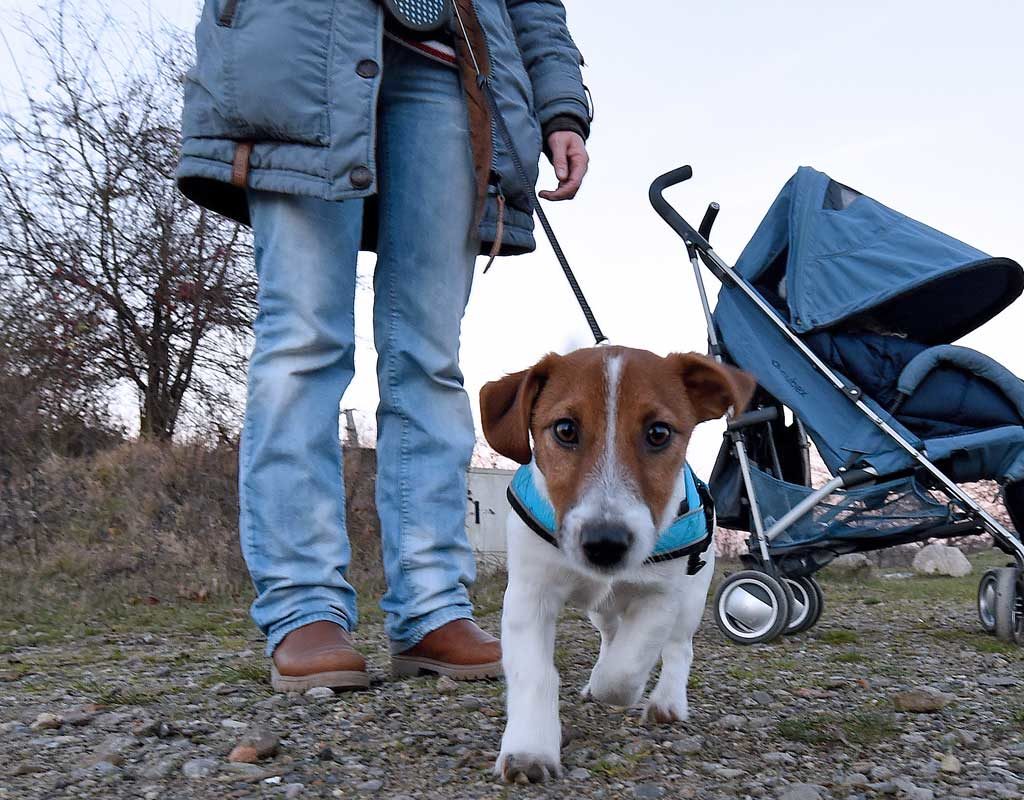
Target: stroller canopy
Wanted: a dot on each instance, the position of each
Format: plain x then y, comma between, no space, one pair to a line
825,254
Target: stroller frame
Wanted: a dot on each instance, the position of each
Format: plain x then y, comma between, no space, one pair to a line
787,611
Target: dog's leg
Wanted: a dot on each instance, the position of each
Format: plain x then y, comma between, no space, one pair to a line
620,674
607,624
532,740
667,701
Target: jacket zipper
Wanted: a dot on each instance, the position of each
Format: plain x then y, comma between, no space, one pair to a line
226,18
487,49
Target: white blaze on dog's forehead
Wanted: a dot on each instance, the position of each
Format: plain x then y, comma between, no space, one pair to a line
608,470
613,488
613,374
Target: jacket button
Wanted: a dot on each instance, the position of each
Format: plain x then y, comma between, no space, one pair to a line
361,177
367,68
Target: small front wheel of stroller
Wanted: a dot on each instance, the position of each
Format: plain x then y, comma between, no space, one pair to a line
808,602
1008,605
987,600
751,607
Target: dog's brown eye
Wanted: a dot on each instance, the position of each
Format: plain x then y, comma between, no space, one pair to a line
566,432
658,435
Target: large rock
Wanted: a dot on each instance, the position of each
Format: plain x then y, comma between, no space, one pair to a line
902,555
941,559
854,565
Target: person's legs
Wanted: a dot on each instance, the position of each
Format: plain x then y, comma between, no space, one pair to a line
426,254
290,481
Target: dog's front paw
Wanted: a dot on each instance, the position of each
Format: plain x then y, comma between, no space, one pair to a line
526,768
664,712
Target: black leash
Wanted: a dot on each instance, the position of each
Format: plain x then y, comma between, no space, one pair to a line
595,329
483,81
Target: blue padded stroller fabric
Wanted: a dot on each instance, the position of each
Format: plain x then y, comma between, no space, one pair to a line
846,254
837,266
950,399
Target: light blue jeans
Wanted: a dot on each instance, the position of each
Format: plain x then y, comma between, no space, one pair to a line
292,497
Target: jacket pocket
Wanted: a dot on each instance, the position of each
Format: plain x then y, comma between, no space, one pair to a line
265,62
226,17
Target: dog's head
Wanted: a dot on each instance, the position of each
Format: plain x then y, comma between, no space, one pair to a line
609,429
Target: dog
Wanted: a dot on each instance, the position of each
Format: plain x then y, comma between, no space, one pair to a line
602,434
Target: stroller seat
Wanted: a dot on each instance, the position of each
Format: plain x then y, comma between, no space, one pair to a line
967,407
934,391
960,385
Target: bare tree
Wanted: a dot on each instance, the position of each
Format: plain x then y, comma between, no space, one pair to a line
52,393
151,289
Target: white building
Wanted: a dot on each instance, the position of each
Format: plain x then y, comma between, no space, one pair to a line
486,512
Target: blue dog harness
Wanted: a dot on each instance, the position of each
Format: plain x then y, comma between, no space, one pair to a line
688,535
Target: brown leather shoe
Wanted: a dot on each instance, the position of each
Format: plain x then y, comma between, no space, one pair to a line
318,654
459,650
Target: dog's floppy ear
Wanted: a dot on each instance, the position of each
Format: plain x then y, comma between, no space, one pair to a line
713,387
506,406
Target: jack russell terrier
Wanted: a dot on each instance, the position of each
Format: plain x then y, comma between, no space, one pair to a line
606,517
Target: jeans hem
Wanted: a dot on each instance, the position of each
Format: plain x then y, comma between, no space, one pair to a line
274,639
428,624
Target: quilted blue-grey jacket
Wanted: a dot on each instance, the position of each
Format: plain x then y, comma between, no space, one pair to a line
283,98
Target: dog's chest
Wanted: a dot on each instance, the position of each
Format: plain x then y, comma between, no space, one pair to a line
589,594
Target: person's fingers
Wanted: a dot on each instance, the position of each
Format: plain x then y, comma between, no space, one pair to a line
560,157
559,143
578,163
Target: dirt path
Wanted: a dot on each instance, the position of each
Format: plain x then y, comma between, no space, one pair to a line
149,701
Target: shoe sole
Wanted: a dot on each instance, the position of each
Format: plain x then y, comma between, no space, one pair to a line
413,667
340,680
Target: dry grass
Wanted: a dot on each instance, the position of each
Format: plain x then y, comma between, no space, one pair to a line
144,523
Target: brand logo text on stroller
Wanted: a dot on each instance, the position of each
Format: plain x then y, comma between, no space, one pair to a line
789,378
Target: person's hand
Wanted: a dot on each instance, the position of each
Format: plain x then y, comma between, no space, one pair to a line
569,158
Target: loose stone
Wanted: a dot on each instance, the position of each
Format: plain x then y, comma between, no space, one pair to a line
199,768
922,700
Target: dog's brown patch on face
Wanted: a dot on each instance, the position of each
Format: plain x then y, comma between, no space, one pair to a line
680,391
576,390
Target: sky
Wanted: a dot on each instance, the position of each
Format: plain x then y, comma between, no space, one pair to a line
918,103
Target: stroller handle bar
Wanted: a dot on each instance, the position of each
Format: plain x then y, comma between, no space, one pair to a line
709,219
692,237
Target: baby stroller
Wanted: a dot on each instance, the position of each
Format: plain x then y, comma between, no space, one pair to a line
843,310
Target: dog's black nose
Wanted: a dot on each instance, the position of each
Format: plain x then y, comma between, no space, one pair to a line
605,543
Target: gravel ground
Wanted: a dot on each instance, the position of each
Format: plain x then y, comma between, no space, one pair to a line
149,701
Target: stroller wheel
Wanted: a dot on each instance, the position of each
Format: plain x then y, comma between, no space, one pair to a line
987,600
751,607
805,609
821,598
1008,605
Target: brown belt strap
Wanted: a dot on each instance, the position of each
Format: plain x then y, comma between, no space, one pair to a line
240,164
499,234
